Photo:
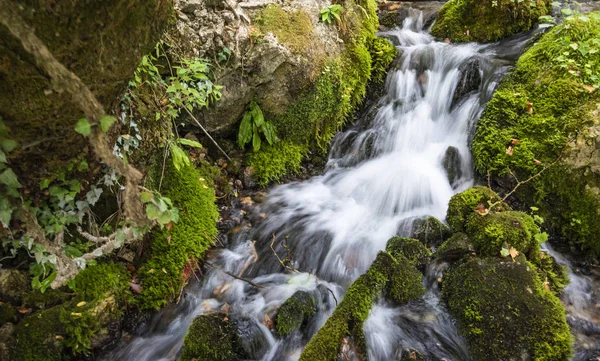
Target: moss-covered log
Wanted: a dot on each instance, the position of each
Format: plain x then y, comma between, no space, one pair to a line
544,119
487,20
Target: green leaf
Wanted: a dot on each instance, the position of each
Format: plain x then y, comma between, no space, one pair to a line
72,252
5,212
106,122
269,132
9,178
504,252
164,218
83,127
120,237
83,165
190,143
174,215
47,282
146,197
256,140
245,130
7,144
2,157
257,114
541,237
180,157
152,211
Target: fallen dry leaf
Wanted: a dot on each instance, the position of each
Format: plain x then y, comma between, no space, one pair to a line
537,162
513,253
81,304
509,150
530,108
589,88
58,337
514,141
135,287
268,322
22,310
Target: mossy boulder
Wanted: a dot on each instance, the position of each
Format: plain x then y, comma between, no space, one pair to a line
505,312
430,231
223,337
294,312
87,38
492,231
395,278
409,248
455,248
543,120
8,313
176,249
35,337
485,21
462,205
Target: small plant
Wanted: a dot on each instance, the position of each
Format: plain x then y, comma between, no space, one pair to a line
253,123
331,12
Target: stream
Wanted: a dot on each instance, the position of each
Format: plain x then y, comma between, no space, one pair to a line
382,174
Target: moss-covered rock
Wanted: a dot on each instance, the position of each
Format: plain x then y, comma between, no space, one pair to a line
542,111
397,279
223,337
295,311
8,313
462,205
35,337
13,285
382,54
485,21
490,232
176,249
455,248
411,249
430,231
505,312
87,38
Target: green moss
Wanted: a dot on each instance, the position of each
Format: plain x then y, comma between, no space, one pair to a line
7,313
47,299
294,312
383,52
292,28
464,204
102,280
455,248
430,231
211,337
408,248
35,337
504,311
490,232
273,162
398,279
551,273
308,124
543,106
175,251
485,21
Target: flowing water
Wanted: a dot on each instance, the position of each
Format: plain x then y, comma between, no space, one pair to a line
384,173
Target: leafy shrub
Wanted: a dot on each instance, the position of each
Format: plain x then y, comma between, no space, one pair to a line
253,125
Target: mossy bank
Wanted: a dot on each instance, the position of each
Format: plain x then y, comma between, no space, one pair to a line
542,122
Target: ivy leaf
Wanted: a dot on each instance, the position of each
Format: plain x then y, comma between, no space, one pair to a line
504,252
106,122
146,197
9,178
7,144
120,237
83,127
5,212
189,143
152,211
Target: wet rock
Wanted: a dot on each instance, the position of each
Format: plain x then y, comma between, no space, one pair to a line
430,231
579,325
294,312
411,355
470,81
223,337
13,285
455,248
452,164
249,177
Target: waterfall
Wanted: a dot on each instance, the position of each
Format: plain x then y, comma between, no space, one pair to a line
383,173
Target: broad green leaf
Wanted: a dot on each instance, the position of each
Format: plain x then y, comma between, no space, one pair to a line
190,143
257,114
2,157
174,215
47,282
5,212
245,130
106,122
83,127
164,218
9,178
504,252
256,140
83,165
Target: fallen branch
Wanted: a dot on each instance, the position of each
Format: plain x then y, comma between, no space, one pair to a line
236,277
206,132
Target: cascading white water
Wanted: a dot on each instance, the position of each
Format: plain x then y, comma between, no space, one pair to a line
378,181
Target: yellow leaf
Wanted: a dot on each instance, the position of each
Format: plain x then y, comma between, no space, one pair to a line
589,88
513,253
81,304
76,314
